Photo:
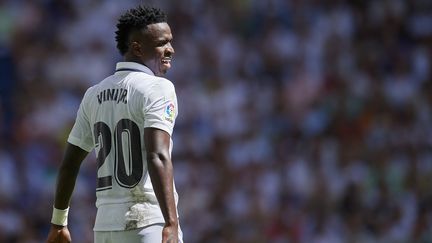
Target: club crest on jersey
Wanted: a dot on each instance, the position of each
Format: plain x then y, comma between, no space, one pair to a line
170,112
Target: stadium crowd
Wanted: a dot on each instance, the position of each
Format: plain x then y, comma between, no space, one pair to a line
300,121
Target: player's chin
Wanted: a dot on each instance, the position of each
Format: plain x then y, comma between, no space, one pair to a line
164,68
161,73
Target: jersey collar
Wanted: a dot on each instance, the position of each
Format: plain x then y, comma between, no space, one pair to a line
132,67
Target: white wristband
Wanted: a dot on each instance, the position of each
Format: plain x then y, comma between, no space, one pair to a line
60,216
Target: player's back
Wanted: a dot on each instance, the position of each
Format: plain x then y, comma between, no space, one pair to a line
113,111
118,109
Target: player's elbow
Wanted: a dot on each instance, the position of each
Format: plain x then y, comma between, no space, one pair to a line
158,158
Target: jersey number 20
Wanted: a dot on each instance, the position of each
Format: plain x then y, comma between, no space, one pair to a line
131,156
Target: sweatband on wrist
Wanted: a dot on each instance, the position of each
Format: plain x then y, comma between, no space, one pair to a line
60,216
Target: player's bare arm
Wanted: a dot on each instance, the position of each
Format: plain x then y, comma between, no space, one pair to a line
68,173
161,173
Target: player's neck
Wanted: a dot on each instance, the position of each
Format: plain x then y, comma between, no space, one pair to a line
134,59
130,58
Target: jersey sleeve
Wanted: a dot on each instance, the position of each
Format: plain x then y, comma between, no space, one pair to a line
160,110
81,134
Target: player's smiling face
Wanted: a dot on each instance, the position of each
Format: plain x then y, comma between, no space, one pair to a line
156,48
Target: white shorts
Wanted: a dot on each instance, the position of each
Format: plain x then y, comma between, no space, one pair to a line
148,234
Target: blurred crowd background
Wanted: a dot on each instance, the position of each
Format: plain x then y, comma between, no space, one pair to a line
300,120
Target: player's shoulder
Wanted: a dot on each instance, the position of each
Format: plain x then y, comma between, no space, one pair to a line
148,83
163,83
155,79
91,91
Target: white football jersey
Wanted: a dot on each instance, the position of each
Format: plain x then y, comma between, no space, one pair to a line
111,119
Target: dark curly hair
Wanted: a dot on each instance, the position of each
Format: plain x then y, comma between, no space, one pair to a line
136,19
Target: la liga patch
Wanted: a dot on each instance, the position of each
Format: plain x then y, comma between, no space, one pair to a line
170,112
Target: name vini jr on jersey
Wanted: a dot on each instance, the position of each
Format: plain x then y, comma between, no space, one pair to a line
118,95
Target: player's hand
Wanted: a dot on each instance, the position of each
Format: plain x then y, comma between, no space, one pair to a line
59,234
170,234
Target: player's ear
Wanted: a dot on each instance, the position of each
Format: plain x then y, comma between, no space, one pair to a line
136,49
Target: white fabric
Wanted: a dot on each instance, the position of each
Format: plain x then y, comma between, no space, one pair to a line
133,94
149,234
60,216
